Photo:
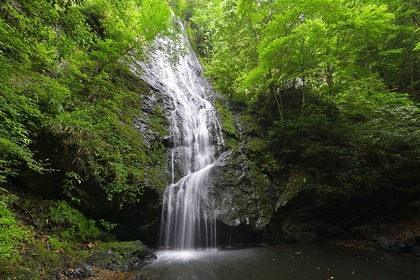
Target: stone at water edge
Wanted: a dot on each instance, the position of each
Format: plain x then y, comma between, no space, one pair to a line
120,256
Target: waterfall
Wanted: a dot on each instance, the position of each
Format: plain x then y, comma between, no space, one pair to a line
188,215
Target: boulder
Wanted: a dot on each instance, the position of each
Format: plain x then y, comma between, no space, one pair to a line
241,192
120,256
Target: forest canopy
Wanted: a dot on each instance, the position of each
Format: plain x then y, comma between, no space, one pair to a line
323,45
332,87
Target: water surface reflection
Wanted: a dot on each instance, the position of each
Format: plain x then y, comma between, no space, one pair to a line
285,262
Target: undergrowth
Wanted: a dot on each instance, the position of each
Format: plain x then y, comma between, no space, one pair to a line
39,239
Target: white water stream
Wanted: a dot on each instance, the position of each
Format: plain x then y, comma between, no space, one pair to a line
188,216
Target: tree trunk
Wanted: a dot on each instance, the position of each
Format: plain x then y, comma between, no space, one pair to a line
279,102
303,93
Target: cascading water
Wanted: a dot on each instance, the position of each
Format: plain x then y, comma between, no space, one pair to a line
188,216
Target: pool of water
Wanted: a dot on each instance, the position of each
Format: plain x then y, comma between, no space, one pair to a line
284,262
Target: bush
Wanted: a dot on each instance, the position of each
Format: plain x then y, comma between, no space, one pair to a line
11,233
72,224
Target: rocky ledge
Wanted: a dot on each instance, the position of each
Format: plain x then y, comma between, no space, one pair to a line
393,237
107,260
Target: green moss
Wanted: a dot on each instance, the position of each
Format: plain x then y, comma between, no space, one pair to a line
73,225
118,255
297,182
257,144
41,257
258,150
227,121
242,192
157,152
49,237
123,247
40,238
261,182
44,257
56,244
12,233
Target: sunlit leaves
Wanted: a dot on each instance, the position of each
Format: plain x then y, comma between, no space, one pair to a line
126,26
12,232
324,44
321,77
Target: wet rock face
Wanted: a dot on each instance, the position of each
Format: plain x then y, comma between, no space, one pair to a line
140,220
241,192
153,119
309,212
78,272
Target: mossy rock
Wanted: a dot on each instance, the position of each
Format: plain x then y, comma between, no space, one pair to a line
228,123
241,192
120,256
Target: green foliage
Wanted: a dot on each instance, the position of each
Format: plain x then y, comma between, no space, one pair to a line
65,81
57,245
260,48
41,238
19,117
320,80
183,8
68,101
105,145
259,150
228,123
12,234
123,247
107,225
367,140
319,49
387,136
71,224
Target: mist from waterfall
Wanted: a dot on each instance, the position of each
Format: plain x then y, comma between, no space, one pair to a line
188,215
